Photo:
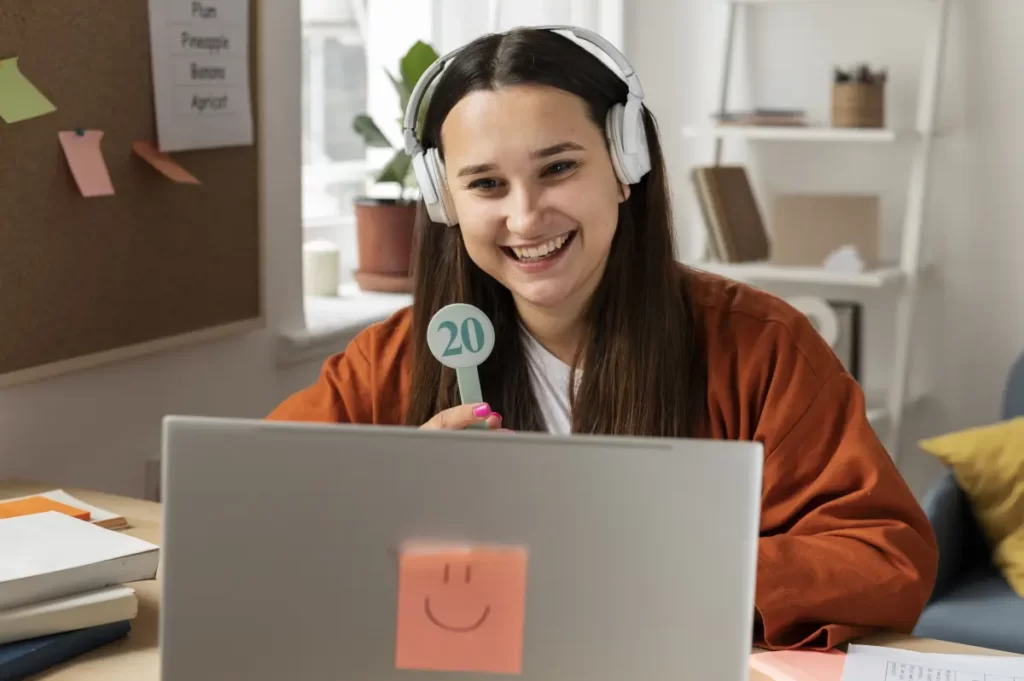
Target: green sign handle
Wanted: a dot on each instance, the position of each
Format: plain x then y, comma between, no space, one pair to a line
469,388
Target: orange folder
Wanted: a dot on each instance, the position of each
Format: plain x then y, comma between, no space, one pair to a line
800,665
38,504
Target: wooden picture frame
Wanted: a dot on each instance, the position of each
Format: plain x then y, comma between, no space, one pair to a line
849,346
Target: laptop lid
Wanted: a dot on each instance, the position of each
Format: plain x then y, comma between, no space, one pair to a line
305,551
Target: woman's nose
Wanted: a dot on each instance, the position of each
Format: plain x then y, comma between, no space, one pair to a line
524,213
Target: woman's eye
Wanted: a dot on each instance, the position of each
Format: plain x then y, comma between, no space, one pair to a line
483,183
560,167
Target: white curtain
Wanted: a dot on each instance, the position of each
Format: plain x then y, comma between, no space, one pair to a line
458,21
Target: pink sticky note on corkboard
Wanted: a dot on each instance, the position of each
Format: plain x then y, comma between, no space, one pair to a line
162,162
85,158
461,609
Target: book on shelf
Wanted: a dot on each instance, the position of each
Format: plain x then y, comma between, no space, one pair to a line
61,501
732,217
767,117
59,555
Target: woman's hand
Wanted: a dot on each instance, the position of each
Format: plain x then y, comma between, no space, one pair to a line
465,415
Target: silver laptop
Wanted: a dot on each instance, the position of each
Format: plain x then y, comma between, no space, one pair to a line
347,553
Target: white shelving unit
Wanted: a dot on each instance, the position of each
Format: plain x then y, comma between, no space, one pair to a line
797,133
902,279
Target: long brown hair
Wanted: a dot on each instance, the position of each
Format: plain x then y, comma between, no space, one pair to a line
642,363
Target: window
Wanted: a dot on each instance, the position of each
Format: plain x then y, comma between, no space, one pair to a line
334,91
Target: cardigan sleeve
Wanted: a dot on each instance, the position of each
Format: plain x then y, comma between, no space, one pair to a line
845,548
341,393
366,383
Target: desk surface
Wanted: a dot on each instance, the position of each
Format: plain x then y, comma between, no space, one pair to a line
136,657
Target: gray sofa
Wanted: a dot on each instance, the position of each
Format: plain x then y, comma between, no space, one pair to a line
971,602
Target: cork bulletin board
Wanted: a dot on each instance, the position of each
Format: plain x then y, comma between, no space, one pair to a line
84,281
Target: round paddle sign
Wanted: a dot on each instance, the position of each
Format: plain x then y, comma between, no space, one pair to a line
460,336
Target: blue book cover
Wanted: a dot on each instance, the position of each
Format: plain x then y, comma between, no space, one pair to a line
21,659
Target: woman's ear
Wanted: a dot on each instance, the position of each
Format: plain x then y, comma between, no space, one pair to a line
624,190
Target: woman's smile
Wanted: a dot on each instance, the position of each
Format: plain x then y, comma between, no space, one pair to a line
542,256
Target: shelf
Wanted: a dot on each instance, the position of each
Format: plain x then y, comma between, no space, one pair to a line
784,133
878,411
766,273
819,2
878,416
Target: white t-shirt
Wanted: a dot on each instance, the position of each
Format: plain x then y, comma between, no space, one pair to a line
549,377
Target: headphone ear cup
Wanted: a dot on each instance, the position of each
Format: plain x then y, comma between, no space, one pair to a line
445,212
425,180
429,170
613,129
622,122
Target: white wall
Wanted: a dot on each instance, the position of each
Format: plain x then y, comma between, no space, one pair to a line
971,324
97,428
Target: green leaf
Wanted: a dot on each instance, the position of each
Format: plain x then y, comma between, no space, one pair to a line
410,177
403,90
417,60
369,131
397,169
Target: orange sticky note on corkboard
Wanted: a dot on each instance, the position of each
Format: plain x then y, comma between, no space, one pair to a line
461,609
37,504
163,162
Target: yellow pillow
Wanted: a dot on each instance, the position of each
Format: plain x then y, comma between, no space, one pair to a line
988,464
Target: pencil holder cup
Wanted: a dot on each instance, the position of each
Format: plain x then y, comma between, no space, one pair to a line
858,105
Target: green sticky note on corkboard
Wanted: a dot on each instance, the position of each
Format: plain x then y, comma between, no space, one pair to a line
19,98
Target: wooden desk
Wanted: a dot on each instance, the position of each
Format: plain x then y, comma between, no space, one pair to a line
136,658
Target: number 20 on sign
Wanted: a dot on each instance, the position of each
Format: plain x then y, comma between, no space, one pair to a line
462,337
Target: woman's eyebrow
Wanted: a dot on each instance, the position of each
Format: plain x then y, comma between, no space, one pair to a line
553,150
476,169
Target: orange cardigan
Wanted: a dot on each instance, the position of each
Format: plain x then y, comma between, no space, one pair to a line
844,547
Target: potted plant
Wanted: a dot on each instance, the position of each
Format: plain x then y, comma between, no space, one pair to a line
384,225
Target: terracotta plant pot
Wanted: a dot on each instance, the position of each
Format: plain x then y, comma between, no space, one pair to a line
384,233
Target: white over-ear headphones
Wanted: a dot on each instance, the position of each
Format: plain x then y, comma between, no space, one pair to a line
627,139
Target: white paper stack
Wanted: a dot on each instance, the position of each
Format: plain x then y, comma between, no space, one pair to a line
876,663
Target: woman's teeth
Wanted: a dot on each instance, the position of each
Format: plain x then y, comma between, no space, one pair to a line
542,251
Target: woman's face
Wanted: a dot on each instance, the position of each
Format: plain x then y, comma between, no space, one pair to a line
535,192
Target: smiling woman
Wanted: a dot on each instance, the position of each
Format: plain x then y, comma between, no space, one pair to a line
545,205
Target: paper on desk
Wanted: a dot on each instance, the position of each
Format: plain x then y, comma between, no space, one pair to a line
875,663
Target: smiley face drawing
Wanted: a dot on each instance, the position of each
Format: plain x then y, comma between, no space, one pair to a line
461,610
452,627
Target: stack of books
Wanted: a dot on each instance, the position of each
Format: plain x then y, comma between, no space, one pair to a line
64,576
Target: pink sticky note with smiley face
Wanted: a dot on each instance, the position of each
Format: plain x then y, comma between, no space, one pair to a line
461,609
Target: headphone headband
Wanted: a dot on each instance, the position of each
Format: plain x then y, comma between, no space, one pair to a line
628,74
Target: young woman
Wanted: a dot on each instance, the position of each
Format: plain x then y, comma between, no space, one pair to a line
553,217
